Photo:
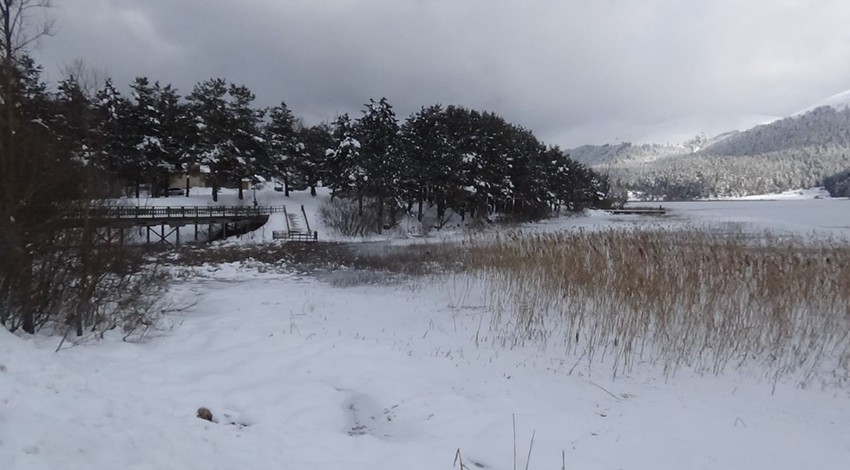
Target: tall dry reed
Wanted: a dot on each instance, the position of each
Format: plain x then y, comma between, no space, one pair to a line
704,301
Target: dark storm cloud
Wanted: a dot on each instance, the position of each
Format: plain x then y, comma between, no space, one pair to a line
574,71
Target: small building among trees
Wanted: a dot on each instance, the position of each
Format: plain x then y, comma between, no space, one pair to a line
195,176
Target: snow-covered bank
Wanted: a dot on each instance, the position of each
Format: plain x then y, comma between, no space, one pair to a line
794,194
800,212
301,374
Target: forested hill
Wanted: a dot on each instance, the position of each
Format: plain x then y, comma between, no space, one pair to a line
821,127
600,156
798,151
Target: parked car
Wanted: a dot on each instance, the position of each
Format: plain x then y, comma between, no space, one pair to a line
175,191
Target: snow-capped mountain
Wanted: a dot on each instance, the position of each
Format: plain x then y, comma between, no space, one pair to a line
838,101
802,150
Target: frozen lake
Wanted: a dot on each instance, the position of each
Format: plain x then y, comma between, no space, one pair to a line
819,217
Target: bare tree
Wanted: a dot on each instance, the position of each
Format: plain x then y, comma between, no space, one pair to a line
17,31
17,34
87,77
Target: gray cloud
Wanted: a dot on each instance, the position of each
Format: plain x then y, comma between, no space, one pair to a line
574,71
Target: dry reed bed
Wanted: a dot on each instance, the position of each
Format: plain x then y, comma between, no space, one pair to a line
708,302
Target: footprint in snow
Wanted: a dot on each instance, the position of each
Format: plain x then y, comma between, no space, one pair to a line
366,417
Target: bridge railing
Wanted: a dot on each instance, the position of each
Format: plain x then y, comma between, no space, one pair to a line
170,212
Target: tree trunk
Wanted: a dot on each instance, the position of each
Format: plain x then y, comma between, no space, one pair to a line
28,308
380,213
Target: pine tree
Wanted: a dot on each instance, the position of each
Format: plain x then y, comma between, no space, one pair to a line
282,146
432,165
344,174
74,122
246,142
378,133
112,125
226,132
174,131
149,162
315,141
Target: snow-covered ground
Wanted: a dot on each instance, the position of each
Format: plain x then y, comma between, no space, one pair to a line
302,373
794,194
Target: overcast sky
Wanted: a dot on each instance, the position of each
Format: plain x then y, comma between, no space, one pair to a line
573,71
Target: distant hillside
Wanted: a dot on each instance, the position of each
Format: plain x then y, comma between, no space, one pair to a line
825,126
791,153
600,156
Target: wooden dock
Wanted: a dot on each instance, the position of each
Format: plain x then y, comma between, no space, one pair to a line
638,211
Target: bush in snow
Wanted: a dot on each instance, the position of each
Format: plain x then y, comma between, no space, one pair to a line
347,218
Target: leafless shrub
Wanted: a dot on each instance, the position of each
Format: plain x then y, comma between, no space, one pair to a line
344,216
79,279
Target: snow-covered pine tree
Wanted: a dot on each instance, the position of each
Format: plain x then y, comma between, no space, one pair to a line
378,133
174,130
226,132
112,120
344,174
247,143
432,166
146,135
314,144
281,142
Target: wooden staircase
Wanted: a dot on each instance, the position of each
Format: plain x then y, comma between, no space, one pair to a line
294,230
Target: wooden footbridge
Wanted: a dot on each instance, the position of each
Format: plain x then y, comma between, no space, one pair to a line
219,221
